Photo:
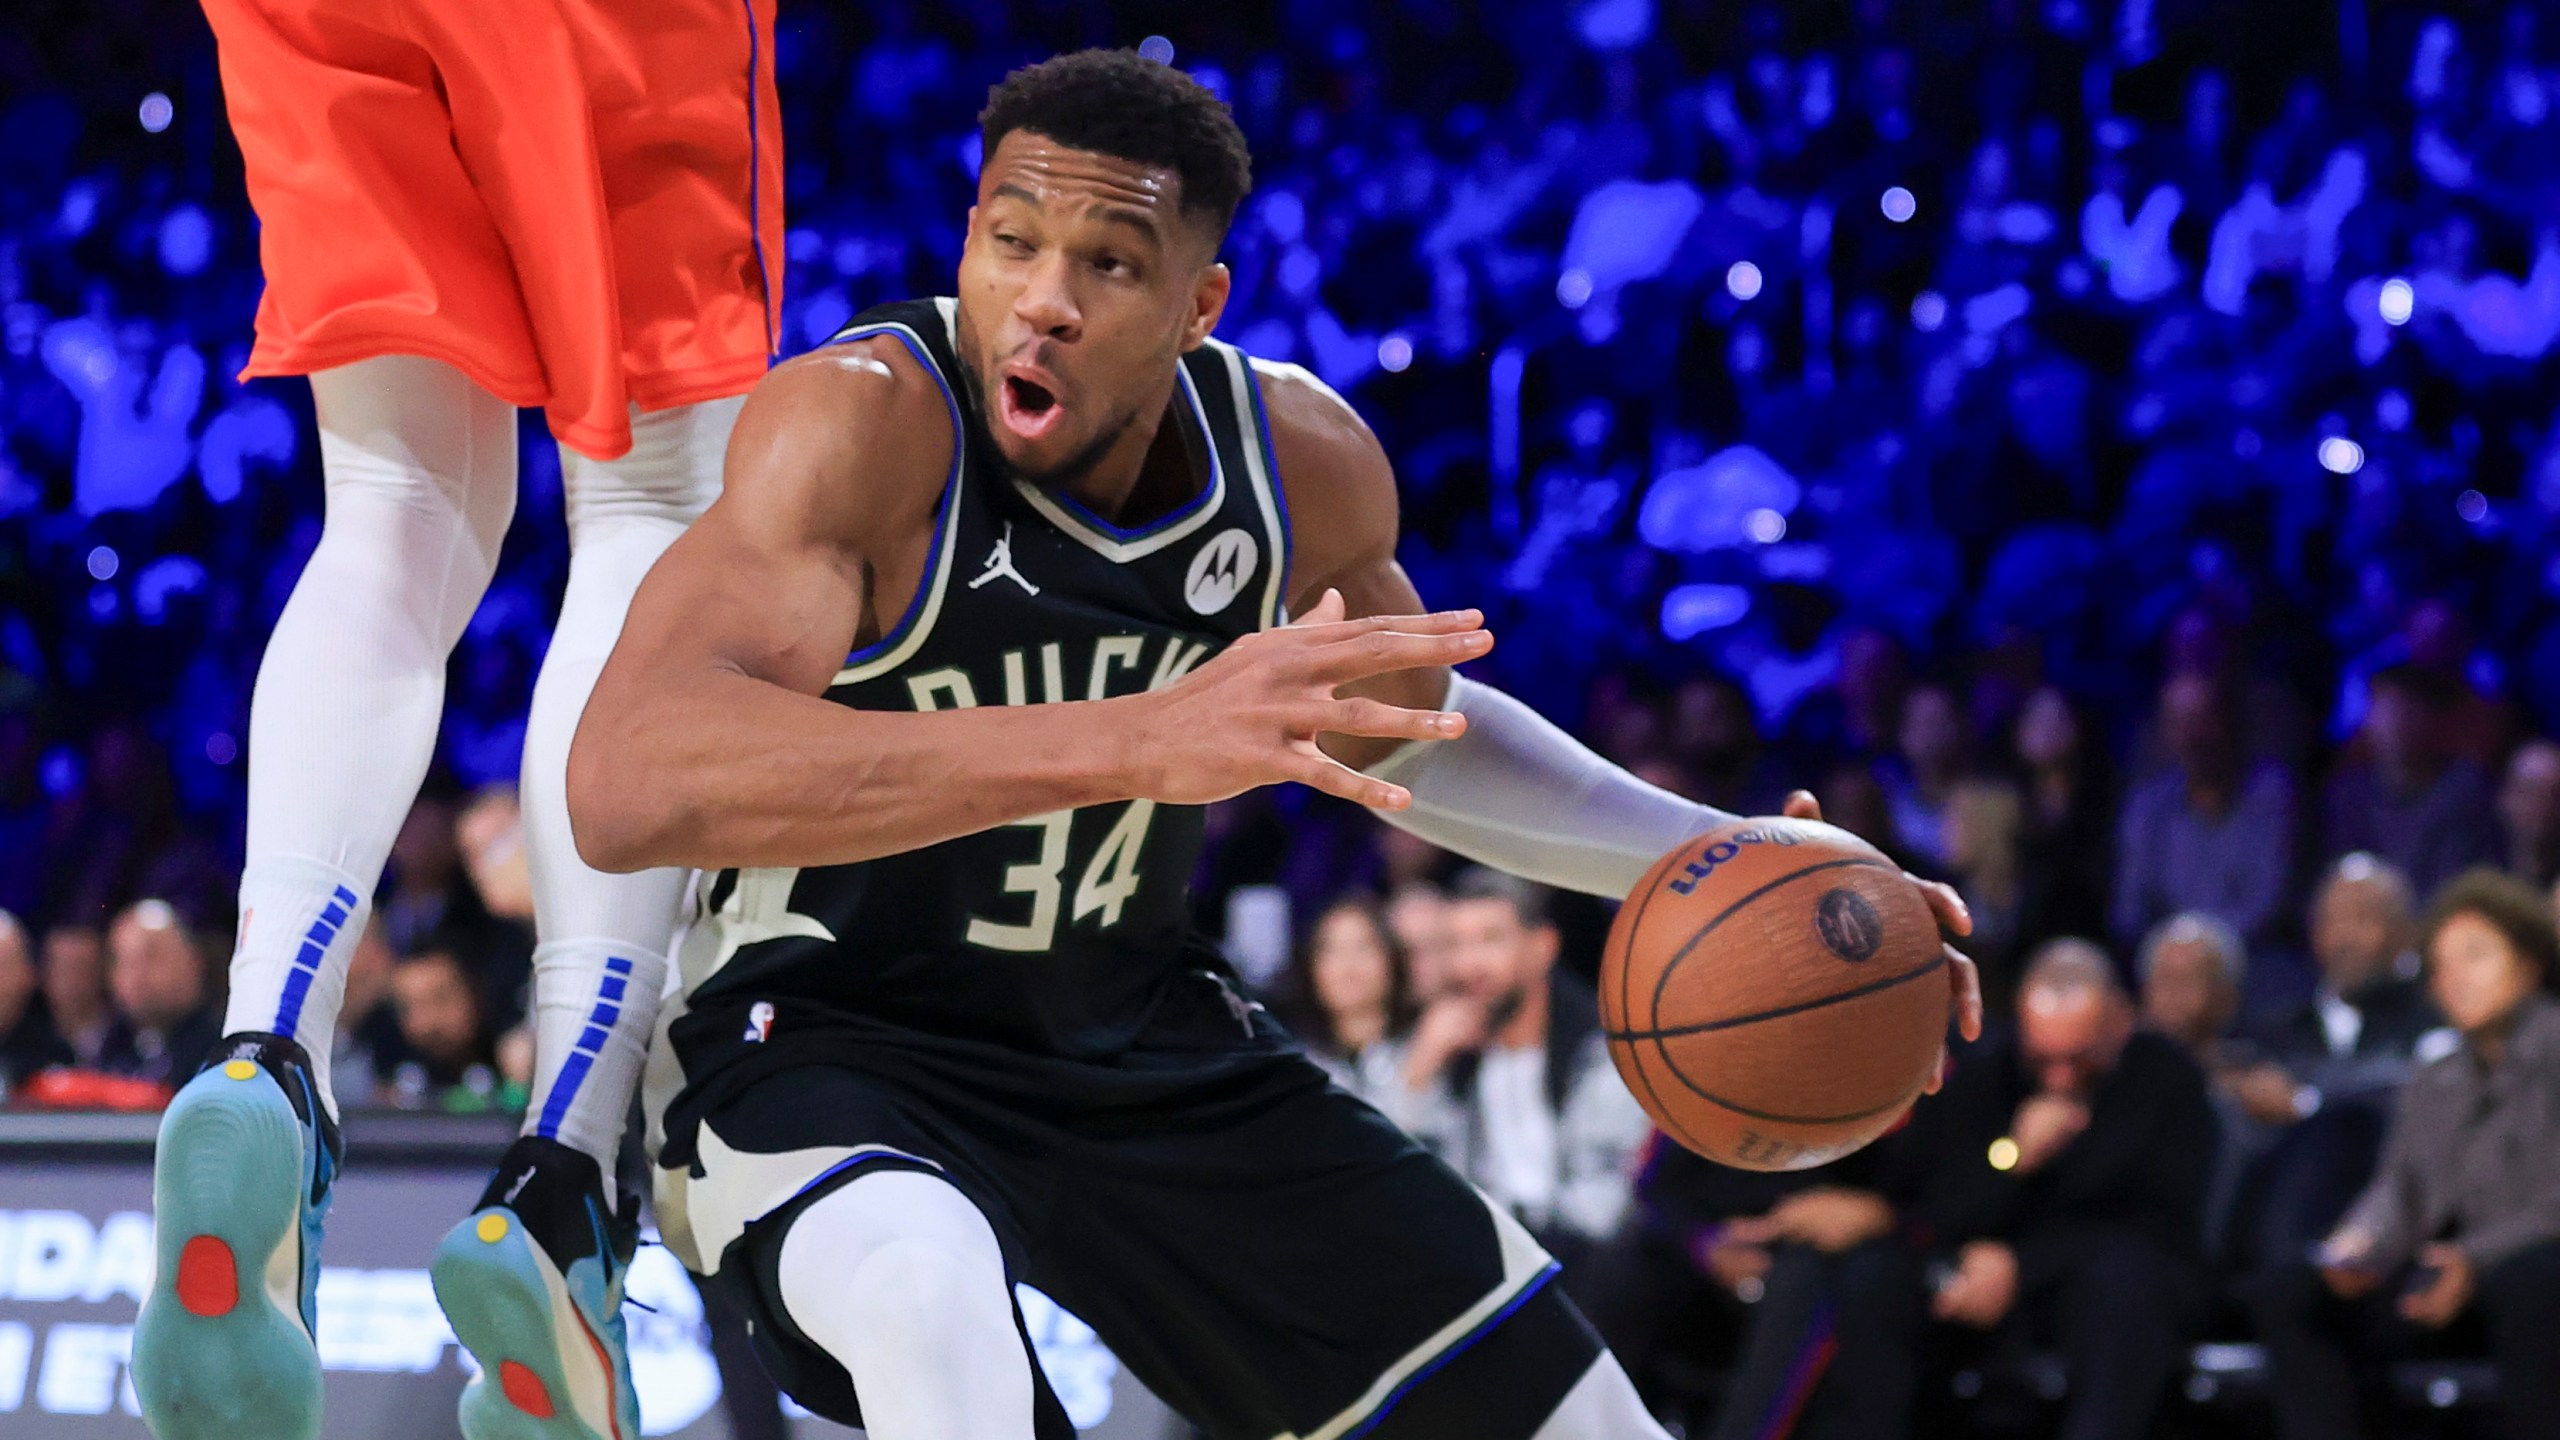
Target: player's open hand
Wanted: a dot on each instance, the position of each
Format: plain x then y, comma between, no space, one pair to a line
1251,716
1954,921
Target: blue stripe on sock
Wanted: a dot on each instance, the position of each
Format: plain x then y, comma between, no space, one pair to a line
613,987
617,965
593,1041
306,962
564,1088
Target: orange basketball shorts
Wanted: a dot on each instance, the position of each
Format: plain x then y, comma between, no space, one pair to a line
577,203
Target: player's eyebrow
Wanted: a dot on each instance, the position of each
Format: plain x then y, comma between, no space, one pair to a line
1021,193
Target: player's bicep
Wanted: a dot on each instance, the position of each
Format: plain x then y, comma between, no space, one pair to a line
737,594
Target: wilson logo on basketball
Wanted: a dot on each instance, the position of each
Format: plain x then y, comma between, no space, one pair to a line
1849,925
1722,850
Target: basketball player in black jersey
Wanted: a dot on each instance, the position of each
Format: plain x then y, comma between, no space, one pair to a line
998,596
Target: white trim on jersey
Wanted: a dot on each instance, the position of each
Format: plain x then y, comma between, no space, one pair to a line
699,1219
1266,483
1143,543
1523,1261
939,580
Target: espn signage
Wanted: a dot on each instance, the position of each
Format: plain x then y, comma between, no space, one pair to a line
76,1258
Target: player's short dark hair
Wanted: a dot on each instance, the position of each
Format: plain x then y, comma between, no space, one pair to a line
1122,104
2512,908
1527,898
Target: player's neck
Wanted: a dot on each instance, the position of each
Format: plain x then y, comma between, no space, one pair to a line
1157,467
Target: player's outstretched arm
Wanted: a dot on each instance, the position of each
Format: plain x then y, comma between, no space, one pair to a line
1517,793
708,743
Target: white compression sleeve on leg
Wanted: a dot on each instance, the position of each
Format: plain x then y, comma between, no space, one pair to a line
899,1279
604,938
1519,794
420,469
1602,1405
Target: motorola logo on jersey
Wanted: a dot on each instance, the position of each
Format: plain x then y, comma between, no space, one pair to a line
1220,571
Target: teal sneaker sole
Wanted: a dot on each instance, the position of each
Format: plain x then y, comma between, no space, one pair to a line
544,1372
220,1350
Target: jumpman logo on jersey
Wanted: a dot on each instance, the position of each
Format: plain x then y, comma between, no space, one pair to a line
1000,564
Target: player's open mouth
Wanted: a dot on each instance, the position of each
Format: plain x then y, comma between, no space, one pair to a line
1028,408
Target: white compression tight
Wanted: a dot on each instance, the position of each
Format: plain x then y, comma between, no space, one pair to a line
603,938
898,1277
420,468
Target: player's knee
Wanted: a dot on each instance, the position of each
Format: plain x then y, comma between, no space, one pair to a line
927,1294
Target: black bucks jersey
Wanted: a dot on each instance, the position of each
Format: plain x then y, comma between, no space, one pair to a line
1056,933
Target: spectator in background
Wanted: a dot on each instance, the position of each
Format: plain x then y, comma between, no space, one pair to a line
75,992
1766,1258
368,1038
429,891
2529,814
1417,915
1348,1001
2410,801
27,1041
1982,854
2067,1171
2191,968
2464,1216
1528,1104
2214,832
2065,837
1920,778
166,1021
1715,735
449,1060
2325,1071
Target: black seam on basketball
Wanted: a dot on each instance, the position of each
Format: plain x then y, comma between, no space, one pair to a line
1936,963
1672,965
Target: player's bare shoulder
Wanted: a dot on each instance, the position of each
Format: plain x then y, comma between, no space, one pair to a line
851,442
1340,485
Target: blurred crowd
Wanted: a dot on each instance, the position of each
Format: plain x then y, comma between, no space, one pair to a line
2106,448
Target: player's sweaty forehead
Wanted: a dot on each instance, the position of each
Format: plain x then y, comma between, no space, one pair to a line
1060,181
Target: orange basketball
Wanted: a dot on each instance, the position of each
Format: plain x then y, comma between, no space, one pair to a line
1775,993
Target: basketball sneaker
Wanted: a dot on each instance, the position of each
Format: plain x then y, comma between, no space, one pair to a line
224,1346
532,1281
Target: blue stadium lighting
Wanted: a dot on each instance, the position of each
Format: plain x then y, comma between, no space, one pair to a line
157,111
221,749
2341,456
1899,205
1928,310
1157,48
1766,526
1742,280
1573,289
2472,506
103,563
2399,300
1395,352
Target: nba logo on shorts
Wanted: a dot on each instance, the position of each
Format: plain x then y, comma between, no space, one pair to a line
760,1020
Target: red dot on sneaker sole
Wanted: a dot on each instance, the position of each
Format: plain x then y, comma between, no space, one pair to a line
524,1389
208,1280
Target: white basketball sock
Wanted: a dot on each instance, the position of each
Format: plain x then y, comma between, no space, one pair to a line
597,974
899,1279
420,468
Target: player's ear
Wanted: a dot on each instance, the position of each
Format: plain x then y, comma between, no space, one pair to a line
1208,302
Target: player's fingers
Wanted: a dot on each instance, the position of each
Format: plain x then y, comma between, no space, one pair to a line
1331,776
1378,652
1378,720
1437,622
1326,611
1953,916
1802,806
1966,977
1938,1076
